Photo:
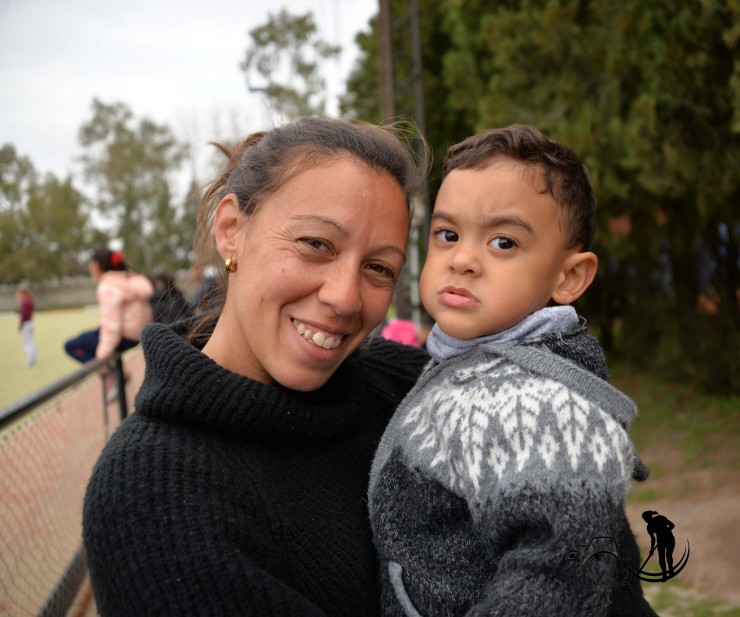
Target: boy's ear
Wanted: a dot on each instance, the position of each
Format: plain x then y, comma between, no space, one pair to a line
226,226
579,270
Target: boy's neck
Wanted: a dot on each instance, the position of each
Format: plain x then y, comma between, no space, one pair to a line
550,319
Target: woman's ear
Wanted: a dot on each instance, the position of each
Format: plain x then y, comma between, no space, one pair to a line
227,226
579,270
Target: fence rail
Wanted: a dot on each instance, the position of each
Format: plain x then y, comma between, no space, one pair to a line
49,442
19,409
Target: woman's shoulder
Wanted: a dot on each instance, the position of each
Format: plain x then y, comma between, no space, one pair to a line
392,356
391,369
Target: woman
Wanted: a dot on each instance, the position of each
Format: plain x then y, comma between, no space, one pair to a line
123,302
238,486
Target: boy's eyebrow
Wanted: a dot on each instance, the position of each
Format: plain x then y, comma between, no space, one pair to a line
489,221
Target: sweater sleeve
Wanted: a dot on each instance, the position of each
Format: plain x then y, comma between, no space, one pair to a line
557,549
548,499
169,535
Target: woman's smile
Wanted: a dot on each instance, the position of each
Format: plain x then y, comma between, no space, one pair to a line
318,336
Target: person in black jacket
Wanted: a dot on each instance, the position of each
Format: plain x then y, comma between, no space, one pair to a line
168,302
238,485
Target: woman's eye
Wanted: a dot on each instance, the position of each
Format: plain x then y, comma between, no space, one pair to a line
502,243
383,271
446,235
315,243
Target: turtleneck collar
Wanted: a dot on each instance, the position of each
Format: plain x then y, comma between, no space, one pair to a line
183,385
551,319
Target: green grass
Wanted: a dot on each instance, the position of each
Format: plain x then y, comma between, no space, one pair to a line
698,425
52,328
677,599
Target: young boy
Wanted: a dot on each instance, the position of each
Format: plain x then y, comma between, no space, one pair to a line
511,454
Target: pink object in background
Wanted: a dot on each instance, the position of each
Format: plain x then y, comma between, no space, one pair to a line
401,331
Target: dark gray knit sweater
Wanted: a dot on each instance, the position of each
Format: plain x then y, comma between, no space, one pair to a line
224,496
499,463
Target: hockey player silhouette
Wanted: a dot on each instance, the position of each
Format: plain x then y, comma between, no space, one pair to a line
661,537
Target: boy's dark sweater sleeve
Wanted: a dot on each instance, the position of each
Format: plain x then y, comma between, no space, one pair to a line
547,536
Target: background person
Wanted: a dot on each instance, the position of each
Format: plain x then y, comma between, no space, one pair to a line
207,289
512,446
26,307
168,302
123,303
239,485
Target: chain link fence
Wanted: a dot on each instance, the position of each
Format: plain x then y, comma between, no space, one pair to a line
46,457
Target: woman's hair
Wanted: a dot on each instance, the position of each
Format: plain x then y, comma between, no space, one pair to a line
566,178
108,260
262,163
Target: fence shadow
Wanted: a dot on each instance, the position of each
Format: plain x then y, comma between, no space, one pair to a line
47,452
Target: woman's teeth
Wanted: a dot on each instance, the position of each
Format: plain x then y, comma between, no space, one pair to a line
318,338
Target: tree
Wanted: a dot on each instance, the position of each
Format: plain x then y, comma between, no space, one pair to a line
649,96
362,100
284,52
43,222
645,94
131,163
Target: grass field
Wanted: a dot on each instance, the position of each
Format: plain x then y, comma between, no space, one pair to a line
52,328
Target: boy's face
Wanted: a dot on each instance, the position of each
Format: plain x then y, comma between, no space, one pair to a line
496,250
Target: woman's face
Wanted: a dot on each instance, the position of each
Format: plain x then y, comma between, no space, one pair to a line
316,268
94,268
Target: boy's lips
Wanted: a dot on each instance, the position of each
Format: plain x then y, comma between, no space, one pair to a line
457,297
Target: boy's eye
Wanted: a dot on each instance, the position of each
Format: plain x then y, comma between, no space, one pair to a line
502,243
446,235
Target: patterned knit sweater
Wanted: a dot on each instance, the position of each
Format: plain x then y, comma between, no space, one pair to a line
223,496
500,465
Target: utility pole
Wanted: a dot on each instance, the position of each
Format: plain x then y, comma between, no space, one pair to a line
419,221
387,106
386,60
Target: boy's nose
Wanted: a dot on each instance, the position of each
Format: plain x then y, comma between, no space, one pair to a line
464,261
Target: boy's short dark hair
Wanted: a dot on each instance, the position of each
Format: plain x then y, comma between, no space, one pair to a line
566,177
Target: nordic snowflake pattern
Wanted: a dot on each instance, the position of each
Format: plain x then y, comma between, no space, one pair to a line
479,424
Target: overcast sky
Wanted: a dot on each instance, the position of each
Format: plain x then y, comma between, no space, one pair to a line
174,62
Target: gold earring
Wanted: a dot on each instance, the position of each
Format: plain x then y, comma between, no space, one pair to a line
230,265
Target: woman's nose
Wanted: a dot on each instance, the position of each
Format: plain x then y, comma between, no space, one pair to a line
341,291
